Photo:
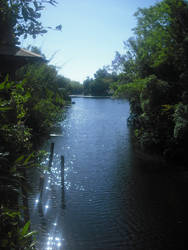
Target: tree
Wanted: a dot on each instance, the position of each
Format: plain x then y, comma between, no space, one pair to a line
21,17
76,88
87,86
101,84
154,70
161,42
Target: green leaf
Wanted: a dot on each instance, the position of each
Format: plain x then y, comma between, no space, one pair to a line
19,159
3,109
30,234
27,159
25,229
2,85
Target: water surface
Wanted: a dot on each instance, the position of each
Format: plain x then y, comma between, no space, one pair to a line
111,199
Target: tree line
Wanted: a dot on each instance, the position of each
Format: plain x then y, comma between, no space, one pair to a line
153,74
100,84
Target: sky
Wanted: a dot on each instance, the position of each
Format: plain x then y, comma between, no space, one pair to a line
92,31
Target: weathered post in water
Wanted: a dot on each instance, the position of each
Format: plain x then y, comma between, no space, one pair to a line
63,181
51,155
41,186
62,172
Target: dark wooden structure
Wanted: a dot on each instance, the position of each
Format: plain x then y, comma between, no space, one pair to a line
12,58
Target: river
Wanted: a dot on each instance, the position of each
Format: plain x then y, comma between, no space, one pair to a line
112,200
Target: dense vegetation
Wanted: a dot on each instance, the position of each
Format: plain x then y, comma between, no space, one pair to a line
75,87
154,75
100,84
29,106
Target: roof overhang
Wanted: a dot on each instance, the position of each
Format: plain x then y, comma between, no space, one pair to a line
12,58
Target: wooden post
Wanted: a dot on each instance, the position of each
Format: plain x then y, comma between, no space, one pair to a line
62,171
51,155
63,181
41,185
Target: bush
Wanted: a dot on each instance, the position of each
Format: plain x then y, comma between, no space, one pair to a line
181,123
29,106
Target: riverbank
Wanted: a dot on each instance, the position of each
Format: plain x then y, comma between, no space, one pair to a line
29,108
154,77
88,96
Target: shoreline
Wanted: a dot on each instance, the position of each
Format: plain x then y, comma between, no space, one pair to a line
88,96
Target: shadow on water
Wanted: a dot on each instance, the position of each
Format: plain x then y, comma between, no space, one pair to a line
113,198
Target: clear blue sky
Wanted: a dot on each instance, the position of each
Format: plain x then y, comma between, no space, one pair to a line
92,30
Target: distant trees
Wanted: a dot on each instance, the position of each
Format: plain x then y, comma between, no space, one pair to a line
154,75
100,85
76,88
87,86
69,86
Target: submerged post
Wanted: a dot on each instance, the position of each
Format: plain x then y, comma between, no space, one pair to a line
63,182
62,171
41,186
51,155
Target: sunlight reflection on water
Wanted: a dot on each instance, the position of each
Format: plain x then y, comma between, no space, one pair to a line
52,242
108,202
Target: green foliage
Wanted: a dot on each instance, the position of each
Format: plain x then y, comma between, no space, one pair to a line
151,116
130,90
76,88
154,95
45,106
100,85
29,106
87,86
181,123
21,17
154,78
12,236
13,99
160,44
